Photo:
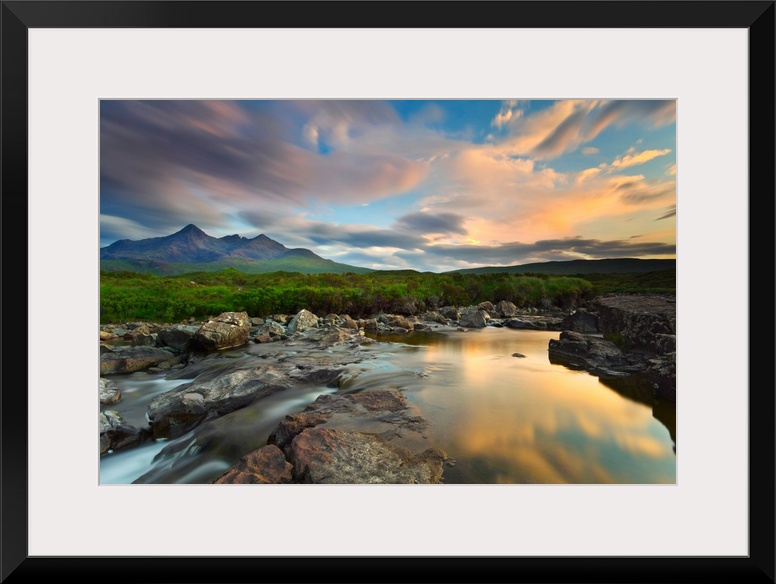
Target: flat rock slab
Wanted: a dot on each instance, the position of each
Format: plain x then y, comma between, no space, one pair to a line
129,360
267,465
362,438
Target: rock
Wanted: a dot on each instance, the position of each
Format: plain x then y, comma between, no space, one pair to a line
228,329
256,321
473,318
109,392
434,316
304,319
267,465
368,324
450,312
518,355
581,321
487,306
134,359
401,322
175,412
366,437
330,456
662,373
115,433
272,329
639,321
106,336
144,340
263,339
176,336
505,309
586,352
537,323
220,391
105,349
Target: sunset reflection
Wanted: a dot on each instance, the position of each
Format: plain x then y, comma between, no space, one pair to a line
525,420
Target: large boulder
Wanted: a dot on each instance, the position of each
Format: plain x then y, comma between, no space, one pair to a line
331,456
450,312
581,321
115,433
133,359
177,336
536,323
637,321
473,318
365,437
505,309
586,352
267,465
304,319
228,329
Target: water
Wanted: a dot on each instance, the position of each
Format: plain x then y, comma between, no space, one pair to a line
500,418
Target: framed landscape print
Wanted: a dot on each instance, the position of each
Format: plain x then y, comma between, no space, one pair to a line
462,275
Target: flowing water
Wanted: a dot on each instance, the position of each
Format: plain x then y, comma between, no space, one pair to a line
500,418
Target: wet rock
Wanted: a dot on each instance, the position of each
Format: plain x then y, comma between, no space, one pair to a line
450,312
586,352
228,329
505,309
175,412
109,392
134,359
639,321
581,321
267,465
536,323
366,437
272,329
304,319
115,433
473,318
487,306
177,336
330,456
144,340
518,355
662,373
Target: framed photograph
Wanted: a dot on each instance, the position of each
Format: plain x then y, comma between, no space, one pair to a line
267,119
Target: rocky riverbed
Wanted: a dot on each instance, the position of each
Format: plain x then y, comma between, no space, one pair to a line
374,436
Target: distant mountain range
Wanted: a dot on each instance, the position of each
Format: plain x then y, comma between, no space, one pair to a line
193,250
572,267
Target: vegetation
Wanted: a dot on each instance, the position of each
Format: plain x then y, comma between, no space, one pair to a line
126,296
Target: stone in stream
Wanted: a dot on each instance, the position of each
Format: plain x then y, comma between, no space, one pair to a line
109,392
133,359
304,319
228,329
218,392
177,336
360,438
115,433
267,465
473,318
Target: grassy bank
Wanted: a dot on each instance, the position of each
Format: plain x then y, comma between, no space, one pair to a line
126,296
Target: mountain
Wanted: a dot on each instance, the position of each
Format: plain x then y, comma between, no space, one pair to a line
193,250
574,267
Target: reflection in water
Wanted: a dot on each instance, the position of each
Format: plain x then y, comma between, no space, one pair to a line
501,419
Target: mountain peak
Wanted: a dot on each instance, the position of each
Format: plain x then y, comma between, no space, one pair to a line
191,228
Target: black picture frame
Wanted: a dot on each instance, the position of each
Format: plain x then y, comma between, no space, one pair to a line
19,16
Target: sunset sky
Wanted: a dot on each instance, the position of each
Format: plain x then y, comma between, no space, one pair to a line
422,184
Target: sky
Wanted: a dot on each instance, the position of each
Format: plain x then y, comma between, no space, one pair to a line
430,185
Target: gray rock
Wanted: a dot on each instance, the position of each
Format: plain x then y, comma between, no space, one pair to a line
473,318
228,329
134,359
581,321
304,319
505,309
115,433
177,336
109,392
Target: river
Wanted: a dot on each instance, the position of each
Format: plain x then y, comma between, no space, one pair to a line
500,418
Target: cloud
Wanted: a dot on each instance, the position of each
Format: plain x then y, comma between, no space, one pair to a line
550,250
590,150
637,158
567,124
671,213
429,223
508,113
